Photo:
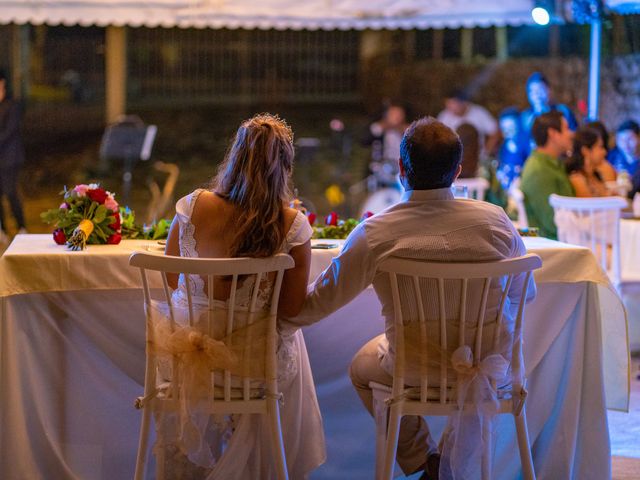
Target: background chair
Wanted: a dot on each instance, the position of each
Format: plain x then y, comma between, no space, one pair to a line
227,393
593,223
444,298
516,196
476,186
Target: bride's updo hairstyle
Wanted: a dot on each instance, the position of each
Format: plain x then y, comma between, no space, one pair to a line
254,176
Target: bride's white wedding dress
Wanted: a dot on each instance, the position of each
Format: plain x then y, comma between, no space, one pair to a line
246,438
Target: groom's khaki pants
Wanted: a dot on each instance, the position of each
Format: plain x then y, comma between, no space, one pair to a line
414,441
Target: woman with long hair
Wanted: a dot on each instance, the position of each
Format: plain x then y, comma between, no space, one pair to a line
588,153
245,213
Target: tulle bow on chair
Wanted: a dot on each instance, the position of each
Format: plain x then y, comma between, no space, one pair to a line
463,441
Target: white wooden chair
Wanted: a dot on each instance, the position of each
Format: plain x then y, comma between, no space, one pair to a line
228,394
475,186
593,223
433,336
517,197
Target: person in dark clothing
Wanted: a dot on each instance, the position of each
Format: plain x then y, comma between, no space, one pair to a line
11,155
626,156
515,148
539,96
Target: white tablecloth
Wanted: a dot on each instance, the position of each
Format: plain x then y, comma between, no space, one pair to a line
71,363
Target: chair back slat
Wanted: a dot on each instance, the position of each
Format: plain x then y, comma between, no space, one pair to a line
187,283
463,311
399,330
231,308
424,359
516,353
477,349
503,300
443,341
487,277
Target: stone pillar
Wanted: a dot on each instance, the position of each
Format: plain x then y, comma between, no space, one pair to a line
20,61
438,44
466,45
115,73
502,44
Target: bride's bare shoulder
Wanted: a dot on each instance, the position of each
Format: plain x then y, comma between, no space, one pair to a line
209,203
289,217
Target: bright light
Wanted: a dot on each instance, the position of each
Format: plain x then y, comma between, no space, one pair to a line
540,16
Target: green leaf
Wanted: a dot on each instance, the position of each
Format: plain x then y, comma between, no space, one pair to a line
100,213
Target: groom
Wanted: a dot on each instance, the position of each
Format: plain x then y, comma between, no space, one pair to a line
428,224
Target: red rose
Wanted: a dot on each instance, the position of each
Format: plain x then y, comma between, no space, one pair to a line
331,219
115,226
59,237
97,195
311,217
366,215
114,239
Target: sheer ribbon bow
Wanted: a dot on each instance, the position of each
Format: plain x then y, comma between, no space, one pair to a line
463,440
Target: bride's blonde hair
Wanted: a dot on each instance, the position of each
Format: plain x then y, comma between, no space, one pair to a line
254,176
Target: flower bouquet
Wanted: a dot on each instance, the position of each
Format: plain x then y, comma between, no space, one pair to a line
88,215
334,228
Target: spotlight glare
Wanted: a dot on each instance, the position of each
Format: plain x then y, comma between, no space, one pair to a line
540,16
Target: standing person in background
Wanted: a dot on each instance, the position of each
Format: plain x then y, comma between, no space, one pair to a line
605,169
626,156
539,96
11,157
388,131
544,171
384,136
459,110
515,148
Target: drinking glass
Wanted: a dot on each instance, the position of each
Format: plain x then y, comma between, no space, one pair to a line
460,191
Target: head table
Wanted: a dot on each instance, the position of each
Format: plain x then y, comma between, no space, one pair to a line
72,362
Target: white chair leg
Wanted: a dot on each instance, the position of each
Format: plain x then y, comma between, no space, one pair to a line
487,450
381,415
141,458
523,445
273,412
391,447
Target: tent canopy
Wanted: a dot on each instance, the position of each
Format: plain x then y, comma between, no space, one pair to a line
267,14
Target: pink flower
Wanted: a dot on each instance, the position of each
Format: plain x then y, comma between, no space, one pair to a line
111,203
81,190
64,206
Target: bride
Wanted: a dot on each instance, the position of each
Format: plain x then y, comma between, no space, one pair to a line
245,214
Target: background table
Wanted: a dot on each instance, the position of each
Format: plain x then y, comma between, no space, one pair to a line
72,361
630,275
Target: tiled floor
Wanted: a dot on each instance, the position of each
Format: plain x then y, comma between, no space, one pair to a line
624,429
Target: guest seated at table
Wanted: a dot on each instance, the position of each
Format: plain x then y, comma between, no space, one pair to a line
544,172
245,214
625,157
605,169
588,154
428,224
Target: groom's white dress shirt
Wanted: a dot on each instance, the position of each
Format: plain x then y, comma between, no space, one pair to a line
426,225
